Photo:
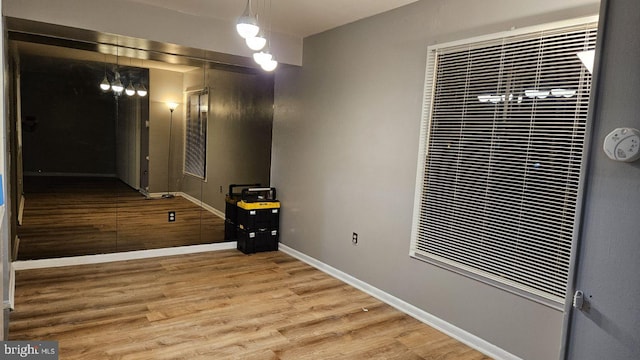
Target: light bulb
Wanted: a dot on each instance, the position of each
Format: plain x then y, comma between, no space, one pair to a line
247,24
130,91
142,91
104,85
484,98
269,65
563,93
261,57
540,94
247,30
256,43
494,99
117,87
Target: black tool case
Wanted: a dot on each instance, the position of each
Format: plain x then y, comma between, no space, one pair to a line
258,220
231,210
250,242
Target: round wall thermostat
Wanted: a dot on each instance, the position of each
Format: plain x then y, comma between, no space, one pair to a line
623,144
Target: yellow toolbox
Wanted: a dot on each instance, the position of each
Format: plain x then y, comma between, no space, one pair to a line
258,220
258,209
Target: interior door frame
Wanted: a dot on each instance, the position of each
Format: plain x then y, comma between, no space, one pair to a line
589,145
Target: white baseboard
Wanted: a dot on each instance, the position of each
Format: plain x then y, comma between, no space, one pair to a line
21,209
413,311
9,303
160,194
15,248
194,200
122,256
202,204
12,288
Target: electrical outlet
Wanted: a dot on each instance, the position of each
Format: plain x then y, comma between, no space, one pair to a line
220,189
172,216
354,238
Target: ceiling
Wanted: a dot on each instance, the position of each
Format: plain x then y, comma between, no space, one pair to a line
299,18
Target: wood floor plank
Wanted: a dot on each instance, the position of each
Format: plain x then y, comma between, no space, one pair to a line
218,305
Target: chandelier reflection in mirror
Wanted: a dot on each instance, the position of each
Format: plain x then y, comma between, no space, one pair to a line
130,76
529,93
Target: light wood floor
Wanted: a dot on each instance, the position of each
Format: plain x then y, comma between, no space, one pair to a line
85,216
217,305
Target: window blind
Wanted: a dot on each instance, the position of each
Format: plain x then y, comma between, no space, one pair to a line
501,153
196,134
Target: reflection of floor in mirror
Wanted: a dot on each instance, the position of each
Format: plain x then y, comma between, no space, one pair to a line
82,216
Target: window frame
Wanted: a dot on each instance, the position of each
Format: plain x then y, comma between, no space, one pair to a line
425,136
188,94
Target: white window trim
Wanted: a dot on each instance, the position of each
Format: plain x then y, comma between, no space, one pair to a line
427,109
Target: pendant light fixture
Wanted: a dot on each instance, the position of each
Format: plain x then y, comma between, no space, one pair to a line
247,24
130,90
268,63
105,85
261,57
247,27
142,91
257,42
117,86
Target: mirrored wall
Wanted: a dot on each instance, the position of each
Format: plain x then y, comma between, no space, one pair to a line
143,167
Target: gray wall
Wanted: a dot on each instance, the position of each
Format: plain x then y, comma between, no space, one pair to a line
345,146
239,132
609,269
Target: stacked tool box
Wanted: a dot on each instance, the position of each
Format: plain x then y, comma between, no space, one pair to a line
258,218
231,211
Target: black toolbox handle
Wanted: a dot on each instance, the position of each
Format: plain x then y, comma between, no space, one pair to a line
239,185
245,192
